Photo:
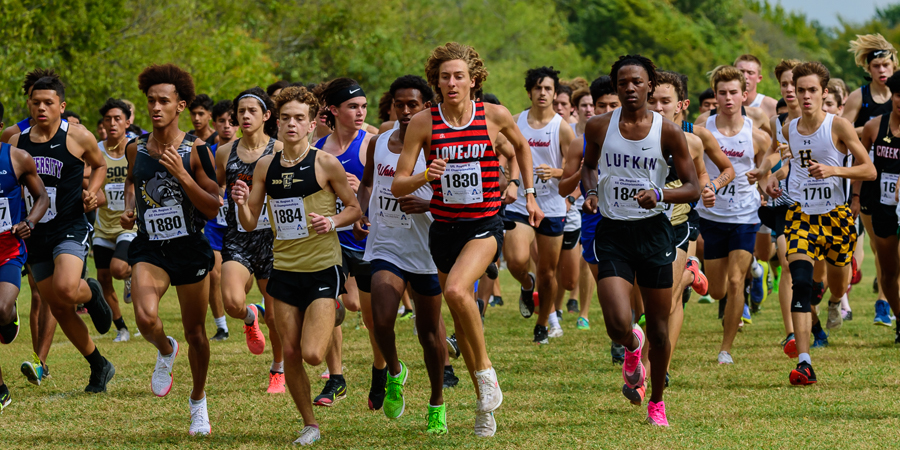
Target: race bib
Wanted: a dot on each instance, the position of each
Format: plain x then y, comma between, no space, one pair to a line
726,198
262,222
541,187
115,196
667,209
51,211
290,218
5,215
338,208
816,196
888,188
220,216
624,190
165,223
389,212
461,183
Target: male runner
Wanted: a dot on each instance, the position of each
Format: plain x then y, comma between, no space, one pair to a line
58,243
111,241
467,234
819,223
834,104
751,67
548,135
635,242
171,181
201,114
300,185
247,254
729,228
215,228
707,101
584,105
562,102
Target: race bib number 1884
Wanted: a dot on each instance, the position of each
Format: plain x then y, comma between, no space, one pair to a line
290,218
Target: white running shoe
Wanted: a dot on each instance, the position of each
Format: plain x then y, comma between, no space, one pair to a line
555,332
835,320
725,358
485,425
308,436
489,390
199,419
122,335
162,379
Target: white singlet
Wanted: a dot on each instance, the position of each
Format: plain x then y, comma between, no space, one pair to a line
815,196
394,236
573,216
544,150
628,167
757,102
738,201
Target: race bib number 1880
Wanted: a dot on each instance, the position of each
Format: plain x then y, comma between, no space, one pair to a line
165,223
461,183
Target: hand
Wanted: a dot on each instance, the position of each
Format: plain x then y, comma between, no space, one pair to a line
319,223
21,230
773,190
855,207
90,200
590,204
127,219
544,172
753,176
171,160
535,215
708,196
359,232
646,198
354,182
785,151
436,169
240,192
821,171
512,193
411,204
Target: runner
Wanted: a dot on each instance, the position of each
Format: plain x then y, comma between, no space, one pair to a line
584,105
215,228
752,70
635,241
111,241
729,228
467,228
58,242
834,103
819,223
707,101
201,114
547,135
307,279
171,181
562,102
247,254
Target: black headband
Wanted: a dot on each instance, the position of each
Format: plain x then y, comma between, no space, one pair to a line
877,54
345,94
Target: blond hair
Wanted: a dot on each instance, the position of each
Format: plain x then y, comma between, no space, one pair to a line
724,74
866,44
450,52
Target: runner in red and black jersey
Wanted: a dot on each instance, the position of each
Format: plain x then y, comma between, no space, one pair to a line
464,173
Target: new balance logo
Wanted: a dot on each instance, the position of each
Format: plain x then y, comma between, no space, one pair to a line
201,272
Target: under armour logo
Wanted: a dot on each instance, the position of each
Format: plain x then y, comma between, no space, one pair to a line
807,142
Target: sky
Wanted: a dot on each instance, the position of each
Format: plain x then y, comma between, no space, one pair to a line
826,11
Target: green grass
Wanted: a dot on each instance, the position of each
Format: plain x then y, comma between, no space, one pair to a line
564,395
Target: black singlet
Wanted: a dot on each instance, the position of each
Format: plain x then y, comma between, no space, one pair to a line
61,172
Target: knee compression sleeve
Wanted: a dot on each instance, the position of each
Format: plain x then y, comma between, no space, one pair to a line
802,277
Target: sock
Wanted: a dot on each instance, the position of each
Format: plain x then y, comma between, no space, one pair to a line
250,318
120,323
277,367
483,372
817,328
197,402
845,302
339,378
804,358
450,368
221,323
553,320
95,359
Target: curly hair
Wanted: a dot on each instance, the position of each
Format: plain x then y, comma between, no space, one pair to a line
412,82
301,95
384,106
114,103
634,60
168,74
450,52
271,125
534,76
812,68
866,45
325,90
576,83
35,75
280,84
602,86
724,74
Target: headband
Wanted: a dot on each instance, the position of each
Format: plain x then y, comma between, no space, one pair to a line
345,94
877,54
261,102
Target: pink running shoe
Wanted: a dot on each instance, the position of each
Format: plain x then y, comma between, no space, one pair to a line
700,285
656,414
276,383
633,369
256,342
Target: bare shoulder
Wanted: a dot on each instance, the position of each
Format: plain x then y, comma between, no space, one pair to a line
701,120
497,113
81,134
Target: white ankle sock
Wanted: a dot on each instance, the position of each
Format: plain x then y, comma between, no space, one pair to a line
250,317
804,357
277,367
221,323
554,321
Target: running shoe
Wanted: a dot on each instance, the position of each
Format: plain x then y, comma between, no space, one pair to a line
835,320
437,420
633,369
378,388
452,347
541,335
555,332
820,339
756,269
725,358
162,379
722,304
199,418
803,375
100,378
256,341
309,435
765,279
789,346
81,310
642,320
777,279
634,395
572,306
882,313
583,324
686,295
745,316
526,298
757,290
407,314
128,290
489,390
220,335
492,271
857,274
5,400
33,370
450,379
656,414
700,285
325,375
481,308
276,383
10,331
394,403
667,379
122,335
332,392
496,300
485,425
559,314
617,351
705,300
875,285
101,314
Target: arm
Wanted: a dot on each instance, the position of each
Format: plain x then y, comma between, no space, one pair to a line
337,179
222,154
199,184
594,135
761,144
365,186
676,145
418,136
93,158
507,127
28,176
566,136
717,156
701,120
870,132
760,119
249,203
572,168
128,217
852,107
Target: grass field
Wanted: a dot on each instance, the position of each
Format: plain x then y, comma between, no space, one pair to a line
564,395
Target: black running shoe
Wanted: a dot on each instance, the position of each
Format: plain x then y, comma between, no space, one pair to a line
667,379
452,347
378,389
722,308
450,379
332,392
572,306
686,295
526,299
220,335
481,308
496,300
4,397
540,335
492,271
99,310
875,285
9,331
803,375
99,378
618,353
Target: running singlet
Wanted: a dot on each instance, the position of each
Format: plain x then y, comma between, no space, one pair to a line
545,149
869,190
628,167
677,213
784,199
164,211
470,186
108,225
350,160
757,102
62,174
293,193
219,222
236,169
12,209
736,202
815,196
887,162
25,124
397,237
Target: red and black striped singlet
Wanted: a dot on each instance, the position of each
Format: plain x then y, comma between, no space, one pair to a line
467,144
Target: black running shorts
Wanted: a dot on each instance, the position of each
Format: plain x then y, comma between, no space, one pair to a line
301,289
636,250
447,239
187,260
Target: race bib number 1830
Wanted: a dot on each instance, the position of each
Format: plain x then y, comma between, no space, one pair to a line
461,183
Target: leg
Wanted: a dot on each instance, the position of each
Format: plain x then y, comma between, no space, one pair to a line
42,334
676,310
290,324
148,284
887,253
738,264
365,303
215,288
431,338
234,296
784,292
801,316
517,251
62,291
109,292
870,230
549,248
193,300
274,337
586,287
387,288
658,302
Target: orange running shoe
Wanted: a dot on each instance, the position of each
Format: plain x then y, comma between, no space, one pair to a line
276,383
256,342
700,285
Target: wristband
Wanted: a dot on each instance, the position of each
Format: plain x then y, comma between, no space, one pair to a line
29,224
426,174
516,182
658,196
591,192
333,226
529,191
662,196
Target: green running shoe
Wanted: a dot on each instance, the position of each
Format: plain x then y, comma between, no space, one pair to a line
437,420
705,300
583,324
33,370
394,404
5,400
642,320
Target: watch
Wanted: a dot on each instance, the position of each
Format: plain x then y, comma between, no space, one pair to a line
571,199
30,224
516,182
529,191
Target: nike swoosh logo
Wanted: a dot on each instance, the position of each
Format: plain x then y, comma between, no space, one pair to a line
304,167
69,236
323,289
481,235
645,149
742,142
345,162
668,253
357,90
54,146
